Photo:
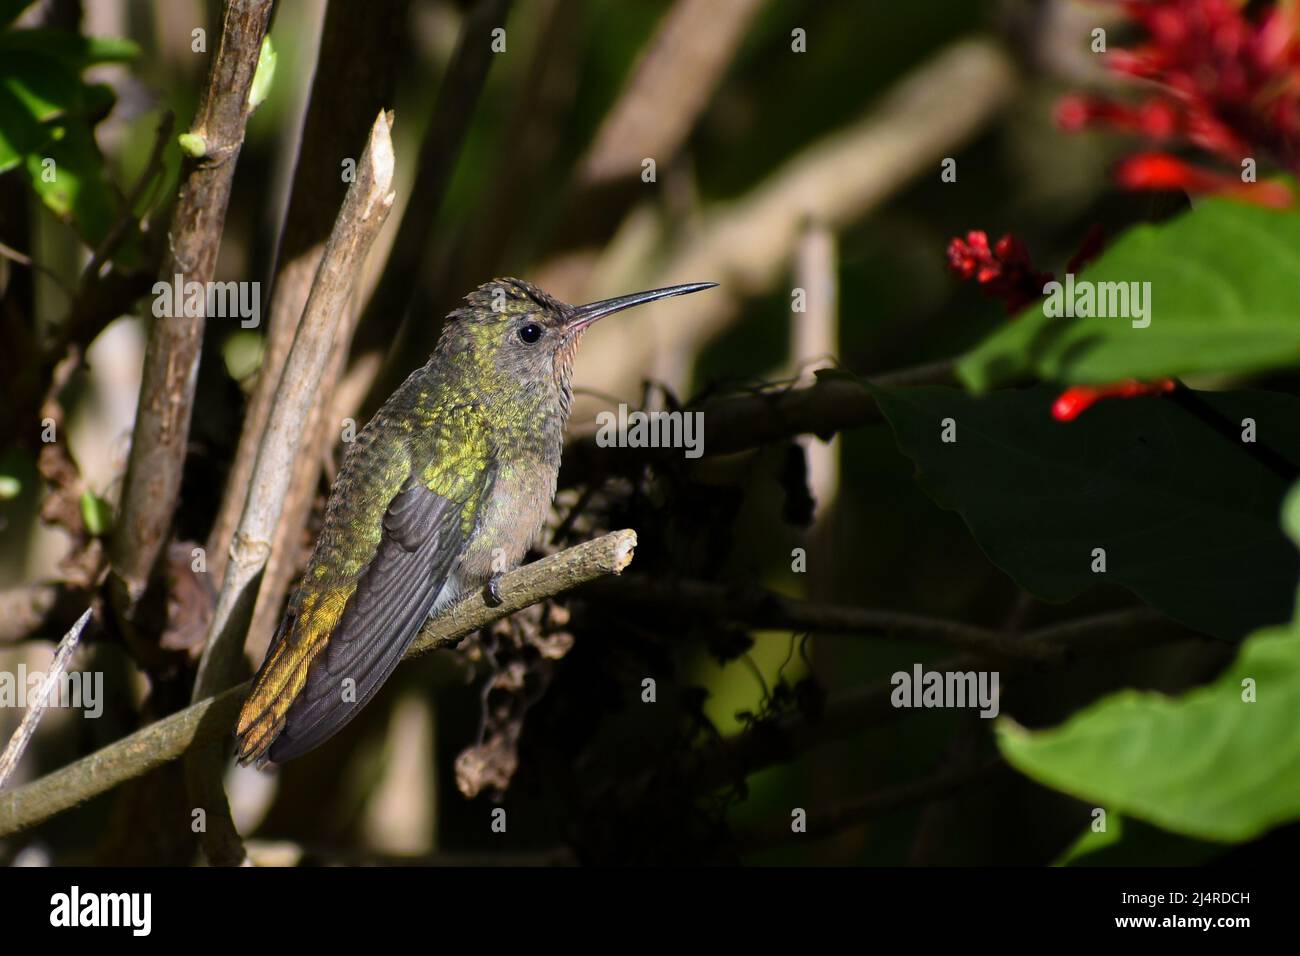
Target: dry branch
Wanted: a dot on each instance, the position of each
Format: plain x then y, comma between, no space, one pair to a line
355,77
27,726
452,112
364,211
737,423
171,363
770,611
212,718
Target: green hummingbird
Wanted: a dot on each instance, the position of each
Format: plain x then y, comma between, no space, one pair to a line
443,490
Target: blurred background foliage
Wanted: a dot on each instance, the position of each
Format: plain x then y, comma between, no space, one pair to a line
601,776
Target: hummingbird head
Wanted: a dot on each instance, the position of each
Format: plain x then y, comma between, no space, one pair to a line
525,340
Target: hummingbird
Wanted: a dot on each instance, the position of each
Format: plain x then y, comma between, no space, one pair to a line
443,491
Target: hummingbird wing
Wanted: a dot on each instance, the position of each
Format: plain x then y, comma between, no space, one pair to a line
345,633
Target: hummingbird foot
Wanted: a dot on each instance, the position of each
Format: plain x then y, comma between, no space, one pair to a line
492,592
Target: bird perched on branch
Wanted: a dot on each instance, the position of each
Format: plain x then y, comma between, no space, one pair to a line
440,494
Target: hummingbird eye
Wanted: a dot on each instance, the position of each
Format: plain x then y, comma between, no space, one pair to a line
530,333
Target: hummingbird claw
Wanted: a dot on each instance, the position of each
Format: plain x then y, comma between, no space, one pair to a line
492,593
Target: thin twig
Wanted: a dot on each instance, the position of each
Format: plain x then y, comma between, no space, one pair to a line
13,255
770,611
827,821
772,742
36,708
118,232
212,718
736,423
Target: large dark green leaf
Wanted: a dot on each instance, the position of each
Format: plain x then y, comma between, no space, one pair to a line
1209,764
1188,517
1225,295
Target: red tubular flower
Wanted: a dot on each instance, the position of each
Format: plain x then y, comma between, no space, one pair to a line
1073,402
1004,271
1228,84
1163,171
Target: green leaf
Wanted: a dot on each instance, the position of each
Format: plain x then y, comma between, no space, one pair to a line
109,50
1207,764
96,513
1291,514
263,76
73,50
20,133
1093,841
1187,517
1225,283
45,86
76,186
1134,843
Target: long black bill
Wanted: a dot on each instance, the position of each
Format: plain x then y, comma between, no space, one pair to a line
583,315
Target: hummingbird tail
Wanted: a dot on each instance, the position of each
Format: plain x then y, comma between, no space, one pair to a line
284,673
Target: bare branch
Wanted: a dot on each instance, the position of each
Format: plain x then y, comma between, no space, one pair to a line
355,78
452,113
770,611
212,718
736,423
363,214
827,821
162,422
121,228
365,209
36,708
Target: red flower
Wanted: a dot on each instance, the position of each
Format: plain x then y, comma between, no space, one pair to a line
1073,402
1162,171
1226,84
1004,271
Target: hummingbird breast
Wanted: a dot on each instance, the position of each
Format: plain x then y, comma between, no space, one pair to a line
523,487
